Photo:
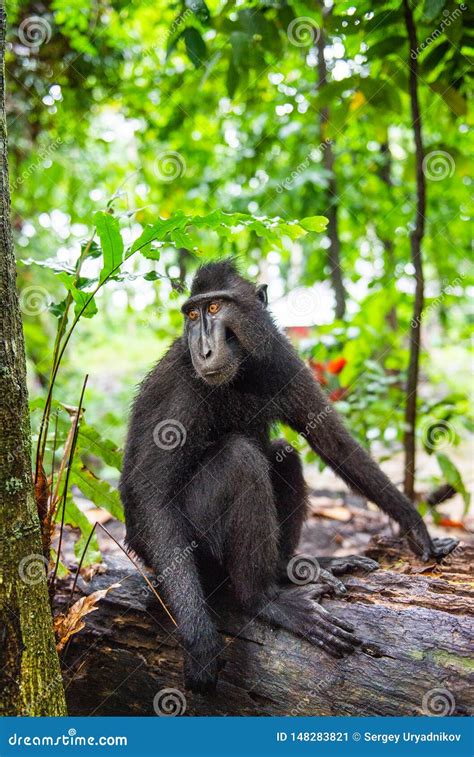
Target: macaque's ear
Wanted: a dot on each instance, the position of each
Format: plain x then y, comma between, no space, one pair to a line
262,294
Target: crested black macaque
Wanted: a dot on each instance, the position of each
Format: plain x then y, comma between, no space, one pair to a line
207,494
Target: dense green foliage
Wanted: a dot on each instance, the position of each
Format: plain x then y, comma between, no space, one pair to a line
184,131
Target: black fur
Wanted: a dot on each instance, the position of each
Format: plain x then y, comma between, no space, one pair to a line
223,486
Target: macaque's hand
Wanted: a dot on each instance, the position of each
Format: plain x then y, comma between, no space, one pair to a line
427,548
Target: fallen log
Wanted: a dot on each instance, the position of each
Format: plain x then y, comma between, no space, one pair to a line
416,622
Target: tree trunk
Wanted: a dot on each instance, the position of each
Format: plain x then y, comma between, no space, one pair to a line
388,246
334,252
416,656
416,239
31,678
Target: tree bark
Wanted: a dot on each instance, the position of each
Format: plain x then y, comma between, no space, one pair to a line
416,239
388,246
331,210
31,679
416,630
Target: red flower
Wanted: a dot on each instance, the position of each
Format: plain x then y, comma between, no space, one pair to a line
335,366
338,394
319,370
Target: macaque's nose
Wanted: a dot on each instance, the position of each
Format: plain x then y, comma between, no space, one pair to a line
205,349
205,352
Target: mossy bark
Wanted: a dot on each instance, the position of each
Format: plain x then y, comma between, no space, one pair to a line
31,681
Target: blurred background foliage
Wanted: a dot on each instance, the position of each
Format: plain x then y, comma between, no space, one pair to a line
279,109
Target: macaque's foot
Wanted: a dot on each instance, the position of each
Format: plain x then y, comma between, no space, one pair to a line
200,679
330,582
442,547
295,610
427,548
201,667
340,565
326,569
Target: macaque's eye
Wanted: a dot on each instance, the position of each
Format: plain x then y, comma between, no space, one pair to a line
193,314
213,308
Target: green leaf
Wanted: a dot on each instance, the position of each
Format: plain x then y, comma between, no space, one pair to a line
453,477
386,46
98,491
435,56
57,308
158,231
314,223
232,81
195,46
240,43
174,38
85,303
74,517
229,225
151,253
51,263
432,8
111,242
200,10
151,276
182,239
62,570
381,20
451,96
89,440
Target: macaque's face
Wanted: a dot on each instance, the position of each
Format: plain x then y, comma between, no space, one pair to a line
215,350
